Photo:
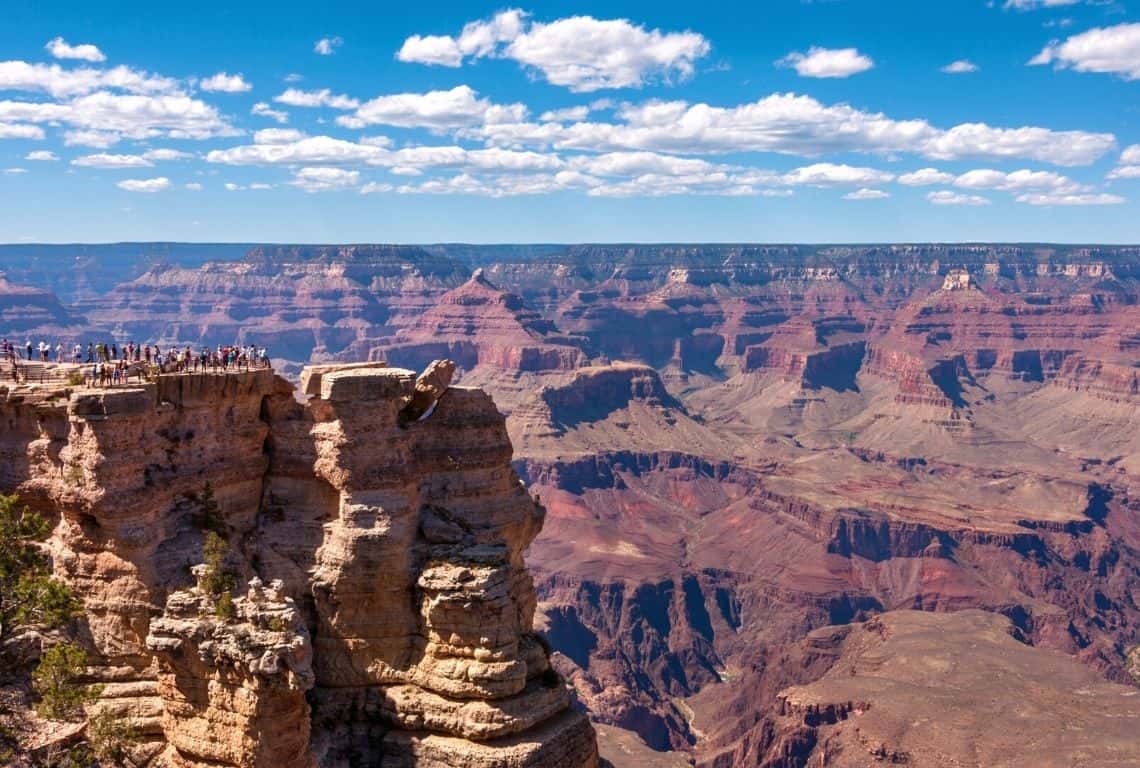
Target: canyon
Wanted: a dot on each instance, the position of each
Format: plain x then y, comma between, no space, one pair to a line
782,487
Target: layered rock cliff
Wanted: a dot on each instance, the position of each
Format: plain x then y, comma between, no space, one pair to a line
385,518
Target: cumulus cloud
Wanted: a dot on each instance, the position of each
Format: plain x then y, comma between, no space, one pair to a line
831,174
145,185
104,117
436,110
319,179
103,160
166,154
960,67
1129,165
278,136
62,83
42,155
946,197
19,131
315,150
925,177
296,97
581,53
985,178
85,138
225,83
565,115
60,49
262,109
1111,50
795,124
866,193
827,62
193,186
327,46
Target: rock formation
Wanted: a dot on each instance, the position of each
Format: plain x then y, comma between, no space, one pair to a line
396,627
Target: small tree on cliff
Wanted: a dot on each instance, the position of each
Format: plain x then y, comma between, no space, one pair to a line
56,681
209,516
29,596
216,580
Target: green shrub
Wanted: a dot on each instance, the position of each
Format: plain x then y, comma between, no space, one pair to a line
29,596
225,606
76,379
111,738
56,681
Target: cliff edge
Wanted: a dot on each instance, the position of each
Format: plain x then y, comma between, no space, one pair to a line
376,608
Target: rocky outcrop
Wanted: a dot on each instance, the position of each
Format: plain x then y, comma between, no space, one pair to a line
233,686
396,629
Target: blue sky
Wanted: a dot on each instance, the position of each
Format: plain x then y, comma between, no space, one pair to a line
838,120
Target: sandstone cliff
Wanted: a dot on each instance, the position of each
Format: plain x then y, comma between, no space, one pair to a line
396,629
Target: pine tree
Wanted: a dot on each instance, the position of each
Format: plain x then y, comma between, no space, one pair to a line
29,596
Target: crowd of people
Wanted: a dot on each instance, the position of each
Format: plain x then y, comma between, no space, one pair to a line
111,364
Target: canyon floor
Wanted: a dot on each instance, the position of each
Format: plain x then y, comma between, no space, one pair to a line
804,506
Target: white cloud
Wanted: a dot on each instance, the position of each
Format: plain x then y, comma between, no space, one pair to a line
96,139
581,53
293,77
827,62
63,83
18,131
960,67
866,193
278,136
112,116
325,179
296,97
1125,172
829,174
926,177
795,124
193,186
42,155
985,178
225,83
1031,143
60,49
15,171
946,197
440,50
565,115
166,154
1032,5
327,46
1112,50
437,110
586,54
145,185
315,150
261,109
642,163
1066,199
112,161
1129,165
